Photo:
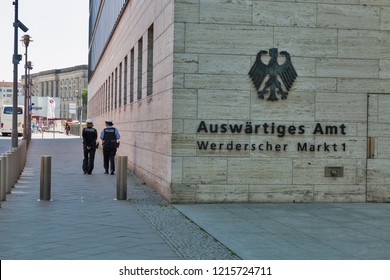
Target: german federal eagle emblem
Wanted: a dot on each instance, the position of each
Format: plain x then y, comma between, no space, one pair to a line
277,74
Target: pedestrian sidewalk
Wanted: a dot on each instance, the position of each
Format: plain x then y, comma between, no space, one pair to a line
84,221
293,231
51,135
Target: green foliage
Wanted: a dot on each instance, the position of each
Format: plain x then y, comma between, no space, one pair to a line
84,97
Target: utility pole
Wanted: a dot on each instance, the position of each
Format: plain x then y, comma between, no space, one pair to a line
26,41
15,60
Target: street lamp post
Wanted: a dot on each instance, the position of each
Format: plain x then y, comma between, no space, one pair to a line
15,60
26,42
29,67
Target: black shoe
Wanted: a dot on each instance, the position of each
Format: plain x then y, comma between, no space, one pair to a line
112,173
89,173
85,172
106,172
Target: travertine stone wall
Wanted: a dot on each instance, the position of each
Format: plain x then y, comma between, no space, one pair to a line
145,125
378,175
205,136
341,52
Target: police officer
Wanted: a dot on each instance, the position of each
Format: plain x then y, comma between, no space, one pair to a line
89,145
110,139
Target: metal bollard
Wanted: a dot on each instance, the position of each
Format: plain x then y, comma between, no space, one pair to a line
8,169
3,175
13,167
23,152
16,164
45,188
121,178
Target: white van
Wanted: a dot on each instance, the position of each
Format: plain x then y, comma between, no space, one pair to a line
6,119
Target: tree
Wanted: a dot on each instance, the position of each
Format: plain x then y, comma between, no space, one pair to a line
84,98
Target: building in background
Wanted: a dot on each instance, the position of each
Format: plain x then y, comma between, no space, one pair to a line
6,90
67,84
173,77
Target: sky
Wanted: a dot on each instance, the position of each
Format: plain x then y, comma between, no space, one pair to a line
59,33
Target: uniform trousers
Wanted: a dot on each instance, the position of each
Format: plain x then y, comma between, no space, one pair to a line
89,159
109,152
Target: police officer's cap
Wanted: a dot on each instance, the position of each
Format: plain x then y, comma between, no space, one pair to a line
89,121
108,122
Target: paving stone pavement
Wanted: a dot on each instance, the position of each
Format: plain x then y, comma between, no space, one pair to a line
290,231
84,221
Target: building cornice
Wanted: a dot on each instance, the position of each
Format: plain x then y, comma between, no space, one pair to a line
61,71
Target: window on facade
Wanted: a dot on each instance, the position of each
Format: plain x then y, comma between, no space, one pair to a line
132,75
101,99
106,99
125,82
109,95
116,89
120,85
112,91
149,88
139,78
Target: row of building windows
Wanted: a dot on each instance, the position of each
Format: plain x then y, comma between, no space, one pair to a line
6,90
51,88
69,82
124,85
103,18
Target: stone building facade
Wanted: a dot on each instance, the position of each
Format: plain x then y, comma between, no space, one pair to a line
173,76
66,84
6,92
